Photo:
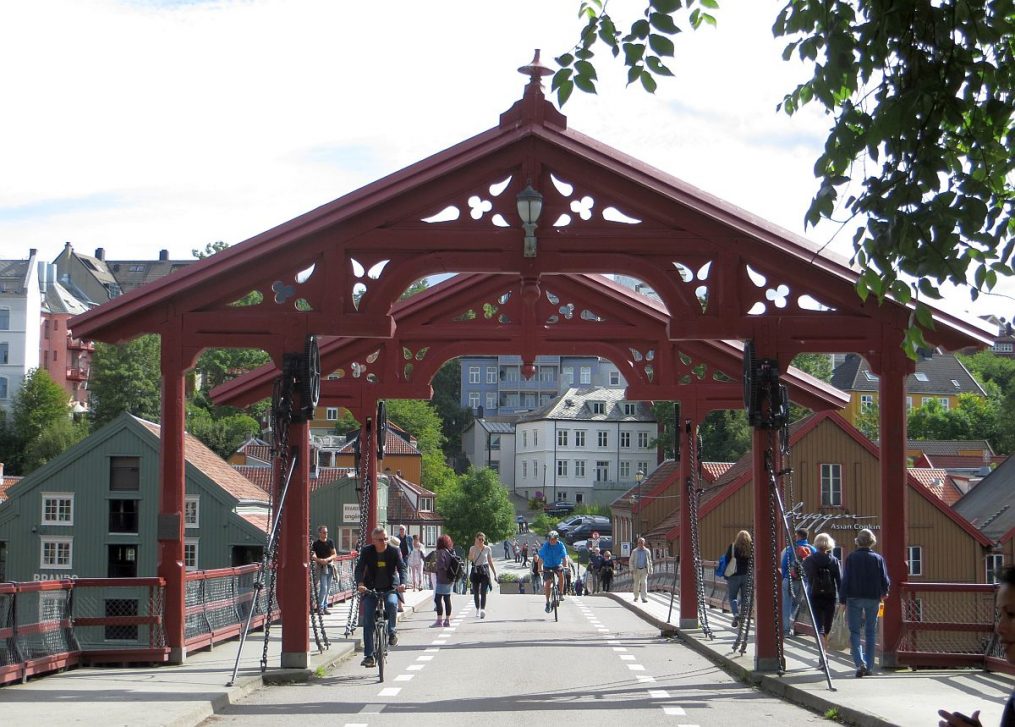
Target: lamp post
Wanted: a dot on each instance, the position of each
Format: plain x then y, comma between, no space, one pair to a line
638,477
530,206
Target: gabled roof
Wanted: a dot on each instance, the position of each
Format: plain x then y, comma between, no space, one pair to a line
990,505
942,374
262,477
578,404
58,300
257,449
15,275
131,274
949,446
400,508
5,484
712,471
938,482
393,444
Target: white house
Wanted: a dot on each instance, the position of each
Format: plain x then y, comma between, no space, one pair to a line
20,324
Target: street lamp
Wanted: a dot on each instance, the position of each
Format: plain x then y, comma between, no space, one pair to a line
530,206
638,477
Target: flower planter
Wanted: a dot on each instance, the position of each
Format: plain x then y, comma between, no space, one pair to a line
512,587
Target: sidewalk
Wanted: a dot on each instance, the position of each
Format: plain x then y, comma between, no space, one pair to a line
178,696
904,697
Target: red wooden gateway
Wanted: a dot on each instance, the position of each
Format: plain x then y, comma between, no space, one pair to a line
529,216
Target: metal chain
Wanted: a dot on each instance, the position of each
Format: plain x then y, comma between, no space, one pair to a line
774,553
366,492
746,596
693,497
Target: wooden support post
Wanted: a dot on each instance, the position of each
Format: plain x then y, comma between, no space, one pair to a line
294,555
688,578
766,652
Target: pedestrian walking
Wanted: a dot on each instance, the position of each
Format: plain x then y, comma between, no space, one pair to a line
641,569
324,558
481,558
525,554
516,550
606,571
792,579
595,563
507,550
443,584
740,550
537,574
824,581
865,585
416,564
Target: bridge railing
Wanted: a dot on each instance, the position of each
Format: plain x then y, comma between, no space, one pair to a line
50,625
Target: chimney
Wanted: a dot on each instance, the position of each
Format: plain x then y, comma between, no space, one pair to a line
100,253
163,255
1,473
32,252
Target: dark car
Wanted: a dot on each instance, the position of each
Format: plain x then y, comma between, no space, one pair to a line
585,530
582,546
566,524
559,509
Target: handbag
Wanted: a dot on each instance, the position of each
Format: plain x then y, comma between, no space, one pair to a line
838,637
731,566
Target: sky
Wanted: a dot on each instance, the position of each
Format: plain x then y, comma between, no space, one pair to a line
141,125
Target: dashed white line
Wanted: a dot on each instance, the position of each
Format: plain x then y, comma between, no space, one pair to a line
404,677
636,667
658,694
431,651
425,657
389,692
415,667
627,657
674,711
644,678
620,648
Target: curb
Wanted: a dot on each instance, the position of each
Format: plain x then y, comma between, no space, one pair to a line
766,682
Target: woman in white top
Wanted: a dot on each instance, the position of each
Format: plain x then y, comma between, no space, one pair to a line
416,565
481,558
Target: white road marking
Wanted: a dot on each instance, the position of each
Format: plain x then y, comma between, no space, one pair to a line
355,724
658,694
424,658
605,631
620,648
404,677
636,667
431,650
644,678
415,667
389,692
674,711
627,657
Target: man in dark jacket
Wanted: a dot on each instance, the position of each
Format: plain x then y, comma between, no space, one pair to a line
380,568
865,584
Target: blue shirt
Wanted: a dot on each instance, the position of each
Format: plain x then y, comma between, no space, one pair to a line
787,556
552,555
864,576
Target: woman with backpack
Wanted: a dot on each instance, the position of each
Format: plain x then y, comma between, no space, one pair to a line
481,557
824,579
739,554
443,583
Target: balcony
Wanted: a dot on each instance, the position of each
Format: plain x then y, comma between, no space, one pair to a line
77,373
79,344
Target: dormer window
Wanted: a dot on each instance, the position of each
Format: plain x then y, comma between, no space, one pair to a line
630,408
598,407
426,504
871,376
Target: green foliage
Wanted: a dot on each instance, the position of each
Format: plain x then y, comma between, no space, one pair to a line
420,419
435,473
544,523
346,422
221,430
126,377
417,287
973,418
666,414
590,509
210,249
446,397
725,436
818,365
60,434
40,412
868,421
218,365
477,502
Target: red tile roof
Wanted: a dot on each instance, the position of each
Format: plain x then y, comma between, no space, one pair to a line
938,482
5,484
216,468
956,461
401,511
393,444
260,522
712,471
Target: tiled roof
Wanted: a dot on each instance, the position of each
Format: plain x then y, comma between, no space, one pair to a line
57,299
216,468
990,504
261,522
257,449
949,446
408,484
393,444
13,270
5,484
938,483
944,373
668,523
712,471
132,274
261,477
401,511
496,427
957,461
576,404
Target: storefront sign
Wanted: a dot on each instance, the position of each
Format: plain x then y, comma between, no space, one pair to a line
854,526
350,513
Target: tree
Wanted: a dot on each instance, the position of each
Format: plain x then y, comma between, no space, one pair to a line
725,435
420,419
58,436
477,502
446,401
126,377
868,421
39,404
922,96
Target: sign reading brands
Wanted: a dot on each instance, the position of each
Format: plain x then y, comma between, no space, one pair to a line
54,577
350,512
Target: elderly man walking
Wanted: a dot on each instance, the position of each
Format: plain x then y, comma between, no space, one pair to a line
641,569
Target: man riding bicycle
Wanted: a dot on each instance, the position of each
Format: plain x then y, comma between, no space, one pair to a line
553,558
380,568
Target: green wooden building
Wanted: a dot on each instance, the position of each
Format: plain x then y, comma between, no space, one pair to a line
92,511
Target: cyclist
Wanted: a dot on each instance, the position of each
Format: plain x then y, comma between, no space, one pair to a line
553,558
380,568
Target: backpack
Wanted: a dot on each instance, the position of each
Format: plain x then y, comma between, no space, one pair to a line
796,563
824,584
455,567
430,562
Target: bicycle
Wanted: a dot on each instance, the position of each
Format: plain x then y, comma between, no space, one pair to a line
553,574
380,629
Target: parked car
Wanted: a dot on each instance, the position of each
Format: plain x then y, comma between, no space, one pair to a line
582,546
585,530
573,522
559,509
564,525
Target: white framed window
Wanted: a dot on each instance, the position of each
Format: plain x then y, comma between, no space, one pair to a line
535,437
914,560
491,374
562,496
625,440
491,400
586,374
643,466
625,471
5,319
525,468
473,399
909,404
603,438
831,485
630,408
426,504
474,374
866,402
598,407
944,402
562,468
535,470
430,535
331,414
602,470
1001,348
643,440
192,511
56,553
994,562
921,376
579,468
567,376
614,378
58,508
547,374
561,437
579,438
525,438
190,553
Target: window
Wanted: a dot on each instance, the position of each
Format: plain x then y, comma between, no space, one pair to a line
579,438
123,516
535,470
491,374
562,496
614,378
191,511
643,440
58,508
491,400
430,535
5,319
567,376
473,399
494,441
3,387
525,438
4,349
426,504
914,560
125,473
604,439
866,402
512,401
602,471
625,439
586,374
547,374
1002,348
943,401
561,437
831,485
562,468
909,404
921,376
994,564
525,468
474,374
331,413
579,468
630,409
535,437
598,407
190,553
625,471
348,539
57,553
530,401
643,466
579,498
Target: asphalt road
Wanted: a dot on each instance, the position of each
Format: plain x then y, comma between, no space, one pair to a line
599,665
